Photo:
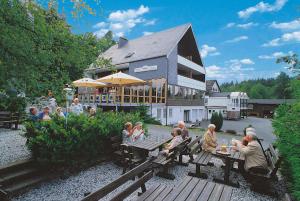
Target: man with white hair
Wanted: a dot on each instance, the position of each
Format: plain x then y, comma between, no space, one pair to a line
76,107
255,160
184,130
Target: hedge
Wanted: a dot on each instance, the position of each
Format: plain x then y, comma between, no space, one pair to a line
287,127
82,138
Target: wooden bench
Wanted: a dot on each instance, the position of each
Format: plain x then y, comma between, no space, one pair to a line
190,189
128,159
260,182
116,142
165,162
7,119
191,148
143,172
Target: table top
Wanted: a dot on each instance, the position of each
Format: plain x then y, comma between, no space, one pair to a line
235,155
150,144
190,189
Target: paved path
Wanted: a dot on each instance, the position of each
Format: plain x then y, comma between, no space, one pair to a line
263,128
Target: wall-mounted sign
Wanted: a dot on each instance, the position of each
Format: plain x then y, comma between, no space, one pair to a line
145,68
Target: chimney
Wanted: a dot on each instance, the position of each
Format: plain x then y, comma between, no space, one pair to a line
122,41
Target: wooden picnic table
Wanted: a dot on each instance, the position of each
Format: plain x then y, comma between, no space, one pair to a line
190,189
234,156
149,144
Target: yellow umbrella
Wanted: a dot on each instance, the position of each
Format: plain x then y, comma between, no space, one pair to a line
88,82
120,79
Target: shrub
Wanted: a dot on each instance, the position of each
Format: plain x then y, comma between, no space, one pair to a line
217,120
82,138
12,101
287,127
143,112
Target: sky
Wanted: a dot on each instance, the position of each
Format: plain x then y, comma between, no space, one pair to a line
238,40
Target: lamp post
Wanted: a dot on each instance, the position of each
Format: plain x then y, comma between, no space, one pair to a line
69,97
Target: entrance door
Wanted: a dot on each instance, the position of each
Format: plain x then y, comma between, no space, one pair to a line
186,115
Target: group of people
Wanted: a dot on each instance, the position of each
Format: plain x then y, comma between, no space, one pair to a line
136,133
249,147
53,109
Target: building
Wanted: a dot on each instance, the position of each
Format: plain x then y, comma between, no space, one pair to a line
232,105
265,107
171,64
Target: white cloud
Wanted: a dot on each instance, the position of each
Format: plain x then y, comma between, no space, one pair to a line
208,51
237,39
147,33
286,26
242,26
150,22
285,38
121,22
236,65
274,55
262,7
124,15
214,71
100,25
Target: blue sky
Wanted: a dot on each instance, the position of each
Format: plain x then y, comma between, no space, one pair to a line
238,41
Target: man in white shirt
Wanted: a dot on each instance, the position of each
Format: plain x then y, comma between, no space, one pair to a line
76,107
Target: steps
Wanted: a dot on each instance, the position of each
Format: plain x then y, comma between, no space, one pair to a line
18,176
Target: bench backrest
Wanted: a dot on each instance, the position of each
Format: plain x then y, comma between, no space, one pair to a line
137,171
115,142
179,148
274,160
195,145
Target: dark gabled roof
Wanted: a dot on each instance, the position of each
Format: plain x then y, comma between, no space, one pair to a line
221,94
210,84
151,46
271,101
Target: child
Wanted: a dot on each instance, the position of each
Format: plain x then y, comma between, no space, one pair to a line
138,132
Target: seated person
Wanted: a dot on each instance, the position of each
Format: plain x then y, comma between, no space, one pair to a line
45,115
254,157
59,112
138,134
244,141
184,130
177,139
127,132
92,112
76,107
210,139
33,114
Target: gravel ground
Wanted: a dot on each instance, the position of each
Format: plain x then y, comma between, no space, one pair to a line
74,187
12,146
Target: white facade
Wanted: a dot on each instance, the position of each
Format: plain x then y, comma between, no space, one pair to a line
178,113
229,105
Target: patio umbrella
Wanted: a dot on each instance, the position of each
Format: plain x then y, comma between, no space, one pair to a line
120,79
88,82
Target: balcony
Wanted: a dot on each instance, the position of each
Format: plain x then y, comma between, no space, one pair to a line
191,83
190,64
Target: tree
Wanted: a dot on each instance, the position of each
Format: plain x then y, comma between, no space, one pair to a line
38,51
283,86
292,61
217,120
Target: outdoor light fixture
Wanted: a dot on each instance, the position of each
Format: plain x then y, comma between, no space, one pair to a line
69,91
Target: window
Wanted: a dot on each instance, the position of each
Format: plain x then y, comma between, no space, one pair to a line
209,111
170,112
158,113
194,113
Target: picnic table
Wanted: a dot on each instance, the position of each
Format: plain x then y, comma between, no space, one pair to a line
229,159
190,189
149,144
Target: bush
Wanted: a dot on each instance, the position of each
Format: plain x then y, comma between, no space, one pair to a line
287,127
82,138
217,120
143,112
12,101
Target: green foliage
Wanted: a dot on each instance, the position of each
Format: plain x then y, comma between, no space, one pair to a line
11,101
82,138
143,112
217,120
292,61
278,87
38,51
287,128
